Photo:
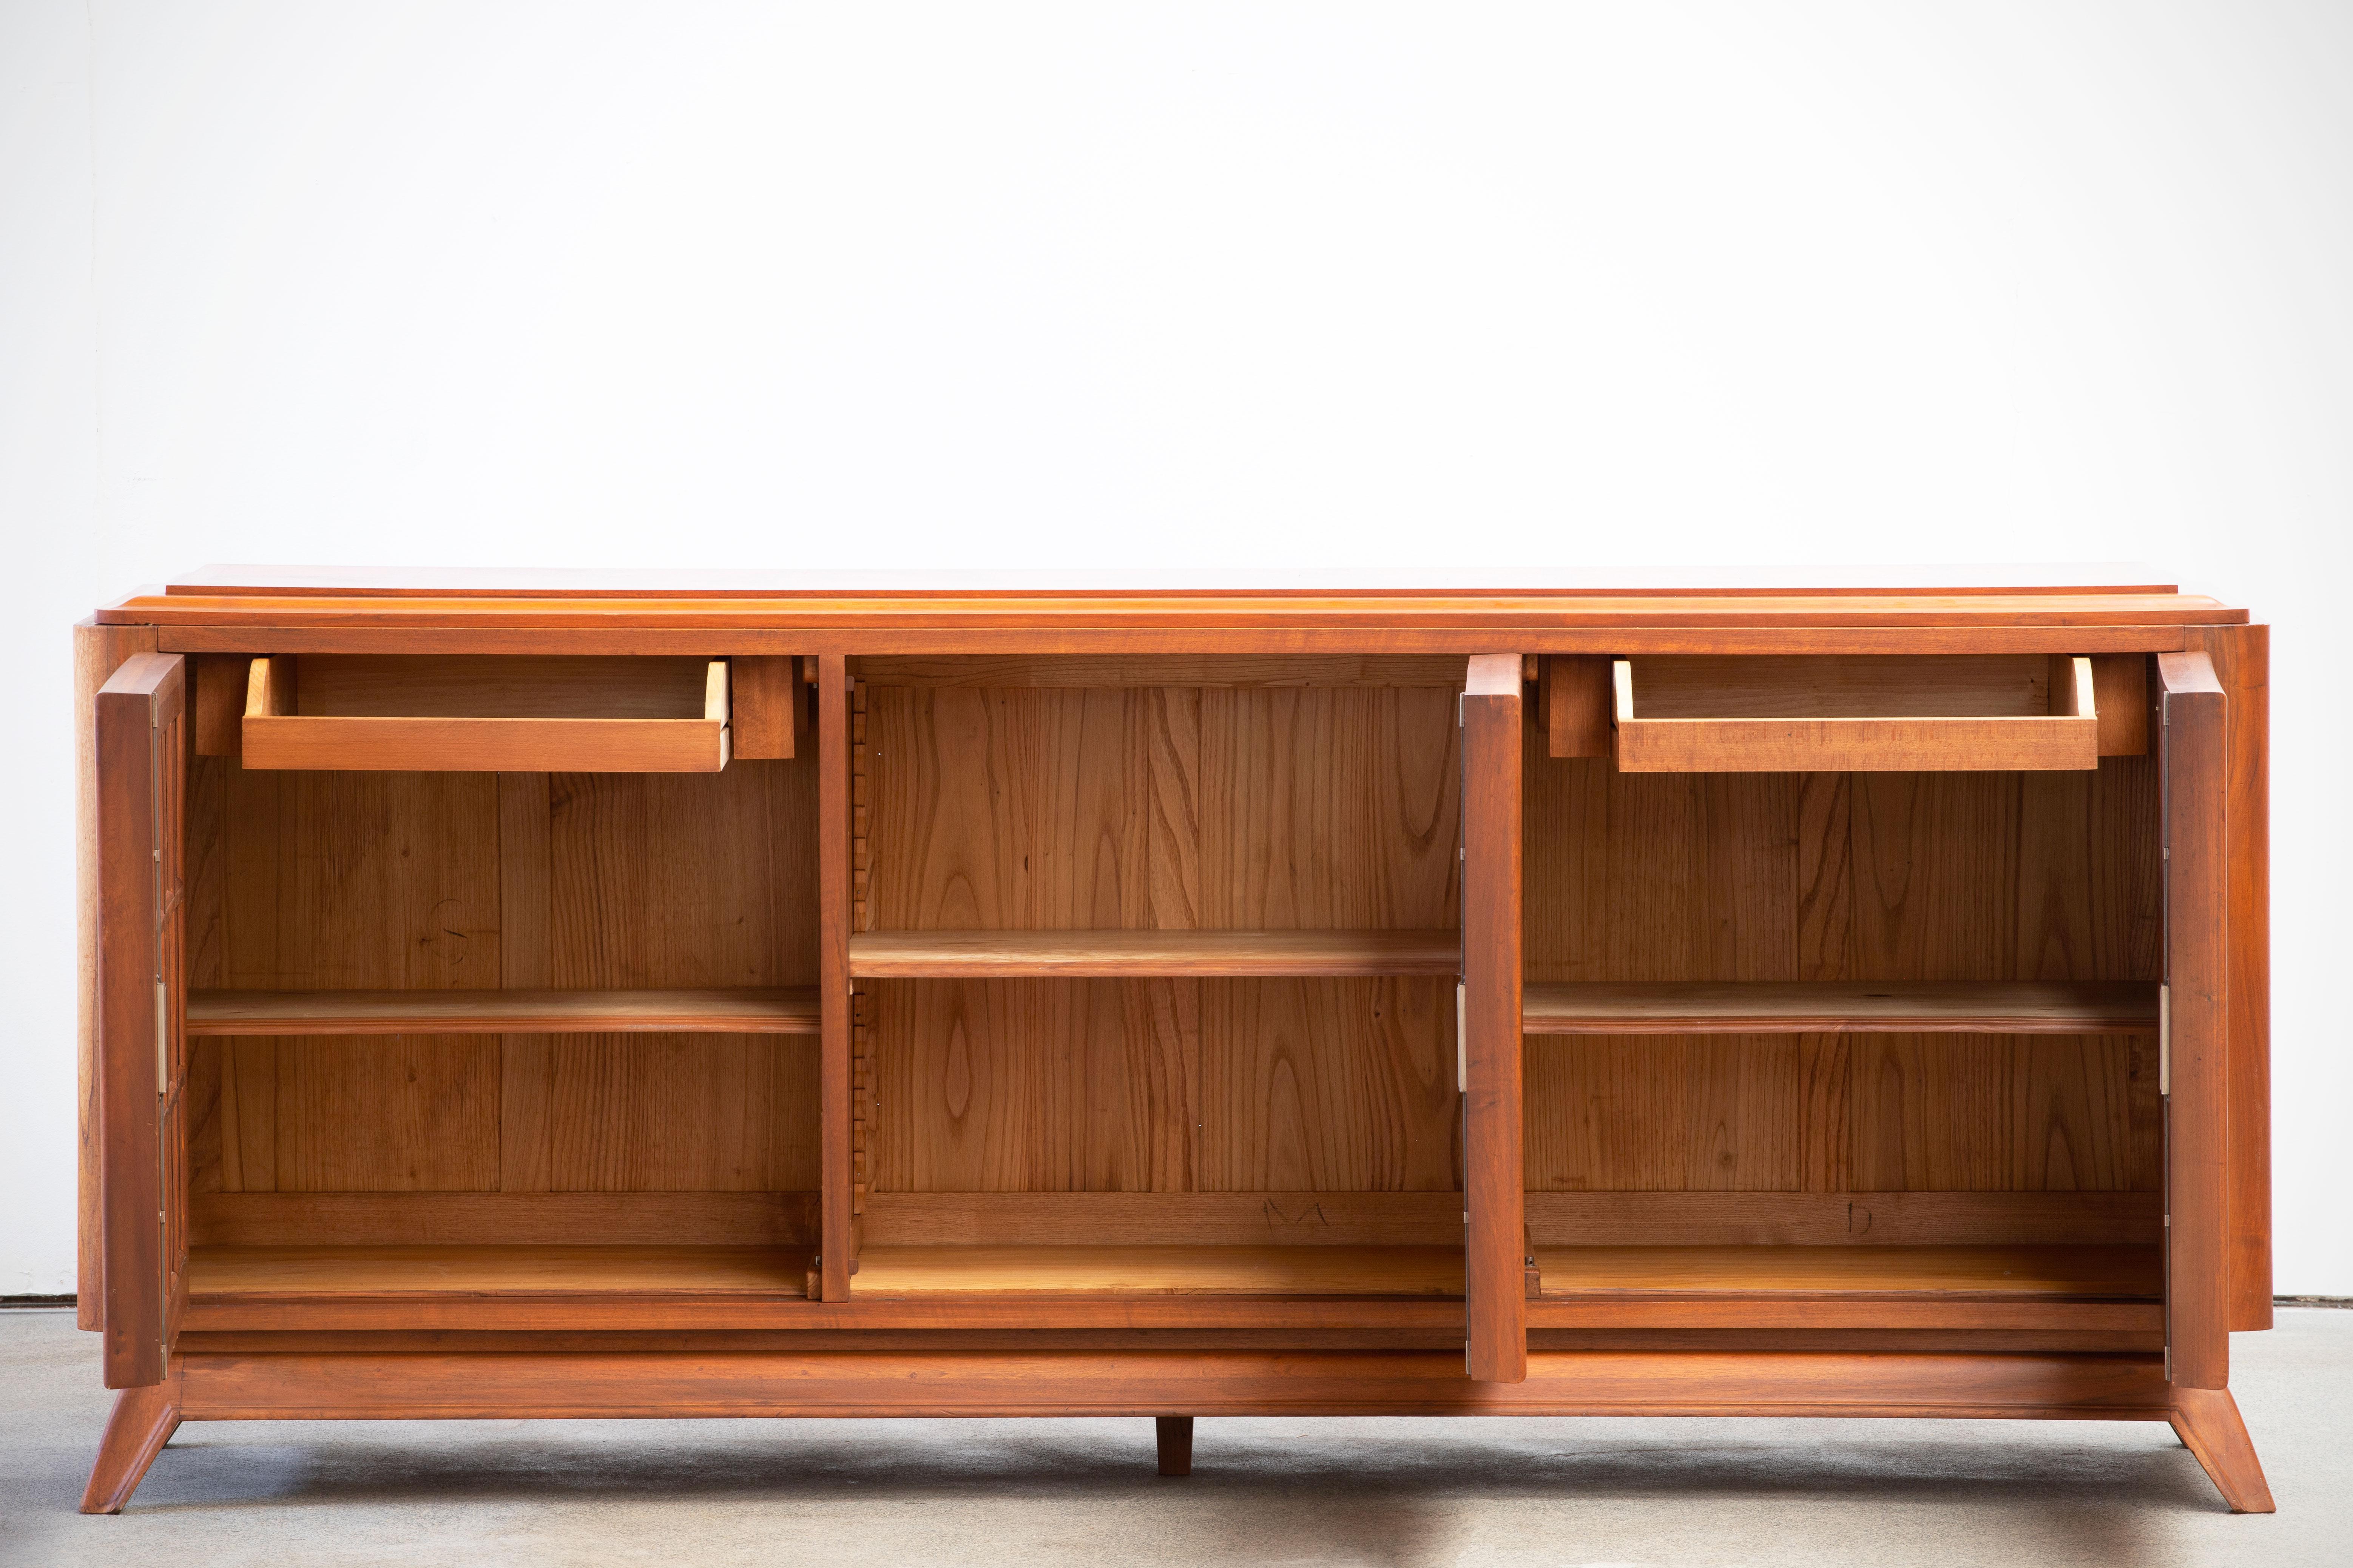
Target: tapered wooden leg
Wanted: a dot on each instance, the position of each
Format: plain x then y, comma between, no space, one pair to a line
144,1421
1175,1436
2207,1421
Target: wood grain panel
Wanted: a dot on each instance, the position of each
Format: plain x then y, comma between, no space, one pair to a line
1329,809
1667,1114
1036,1086
520,1219
660,1112
1327,1086
662,880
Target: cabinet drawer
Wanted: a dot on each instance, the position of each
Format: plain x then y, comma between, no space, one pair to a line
365,712
1765,714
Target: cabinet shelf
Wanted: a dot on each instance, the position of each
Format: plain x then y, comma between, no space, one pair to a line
1838,1006
222,1275
916,1272
1946,1273
1008,954
791,1010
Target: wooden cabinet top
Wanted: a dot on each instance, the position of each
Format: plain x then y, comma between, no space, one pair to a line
310,609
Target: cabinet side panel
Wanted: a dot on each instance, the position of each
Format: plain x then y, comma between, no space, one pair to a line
97,651
2242,657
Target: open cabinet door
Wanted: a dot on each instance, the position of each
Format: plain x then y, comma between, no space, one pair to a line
1495,1180
143,1054
2194,1042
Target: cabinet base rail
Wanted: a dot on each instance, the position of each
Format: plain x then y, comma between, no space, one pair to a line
428,1385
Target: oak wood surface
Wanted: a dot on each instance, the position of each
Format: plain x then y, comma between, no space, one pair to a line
1988,1272
98,651
1832,1006
740,1011
999,954
1175,1270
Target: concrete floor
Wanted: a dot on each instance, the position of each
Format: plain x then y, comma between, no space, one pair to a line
1040,1493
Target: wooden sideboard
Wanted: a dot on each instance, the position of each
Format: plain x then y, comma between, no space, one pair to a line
523,997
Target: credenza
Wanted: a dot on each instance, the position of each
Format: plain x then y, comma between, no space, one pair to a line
522,995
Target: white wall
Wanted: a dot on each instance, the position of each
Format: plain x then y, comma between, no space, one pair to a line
1444,288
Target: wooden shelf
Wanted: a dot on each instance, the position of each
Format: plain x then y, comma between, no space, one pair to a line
911,1272
227,1274
787,1011
1829,1007
1007,954
1949,1273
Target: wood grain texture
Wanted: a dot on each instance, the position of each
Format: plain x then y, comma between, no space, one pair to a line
1902,881
986,954
97,652
2208,1422
1576,688
219,1274
837,1241
1871,1218
2196,752
1558,637
1242,1383
1825,1006
1212,827
2134,1273
1165,1270
1494,1162
2242,659
1853,745
144,1419
750,1010
141,1068
767,709
757,1218
1156,1218
1172,1436
1163,670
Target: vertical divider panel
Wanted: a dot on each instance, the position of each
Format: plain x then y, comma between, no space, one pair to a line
837,1245
1493,1164
2195,1039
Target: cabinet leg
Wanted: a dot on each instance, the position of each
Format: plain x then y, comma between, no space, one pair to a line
144,1421
1175,1436
2207,1421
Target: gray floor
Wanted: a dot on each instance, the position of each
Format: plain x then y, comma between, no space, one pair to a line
1815,1493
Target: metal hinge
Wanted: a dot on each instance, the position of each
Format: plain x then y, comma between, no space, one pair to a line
2164,1041
1461,1038
162,1041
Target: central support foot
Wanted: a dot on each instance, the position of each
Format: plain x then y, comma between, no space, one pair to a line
1175,1436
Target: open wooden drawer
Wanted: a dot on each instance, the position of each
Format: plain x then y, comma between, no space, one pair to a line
514,714
1838,714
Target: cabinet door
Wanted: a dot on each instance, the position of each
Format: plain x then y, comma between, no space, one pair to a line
1494,1184
2194,1048
142,1055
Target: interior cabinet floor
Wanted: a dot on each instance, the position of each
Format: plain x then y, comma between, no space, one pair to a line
226,1273
888,1271
2128,1273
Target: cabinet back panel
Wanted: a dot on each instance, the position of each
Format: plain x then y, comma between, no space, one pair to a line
1654,877
360,881
1040,808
